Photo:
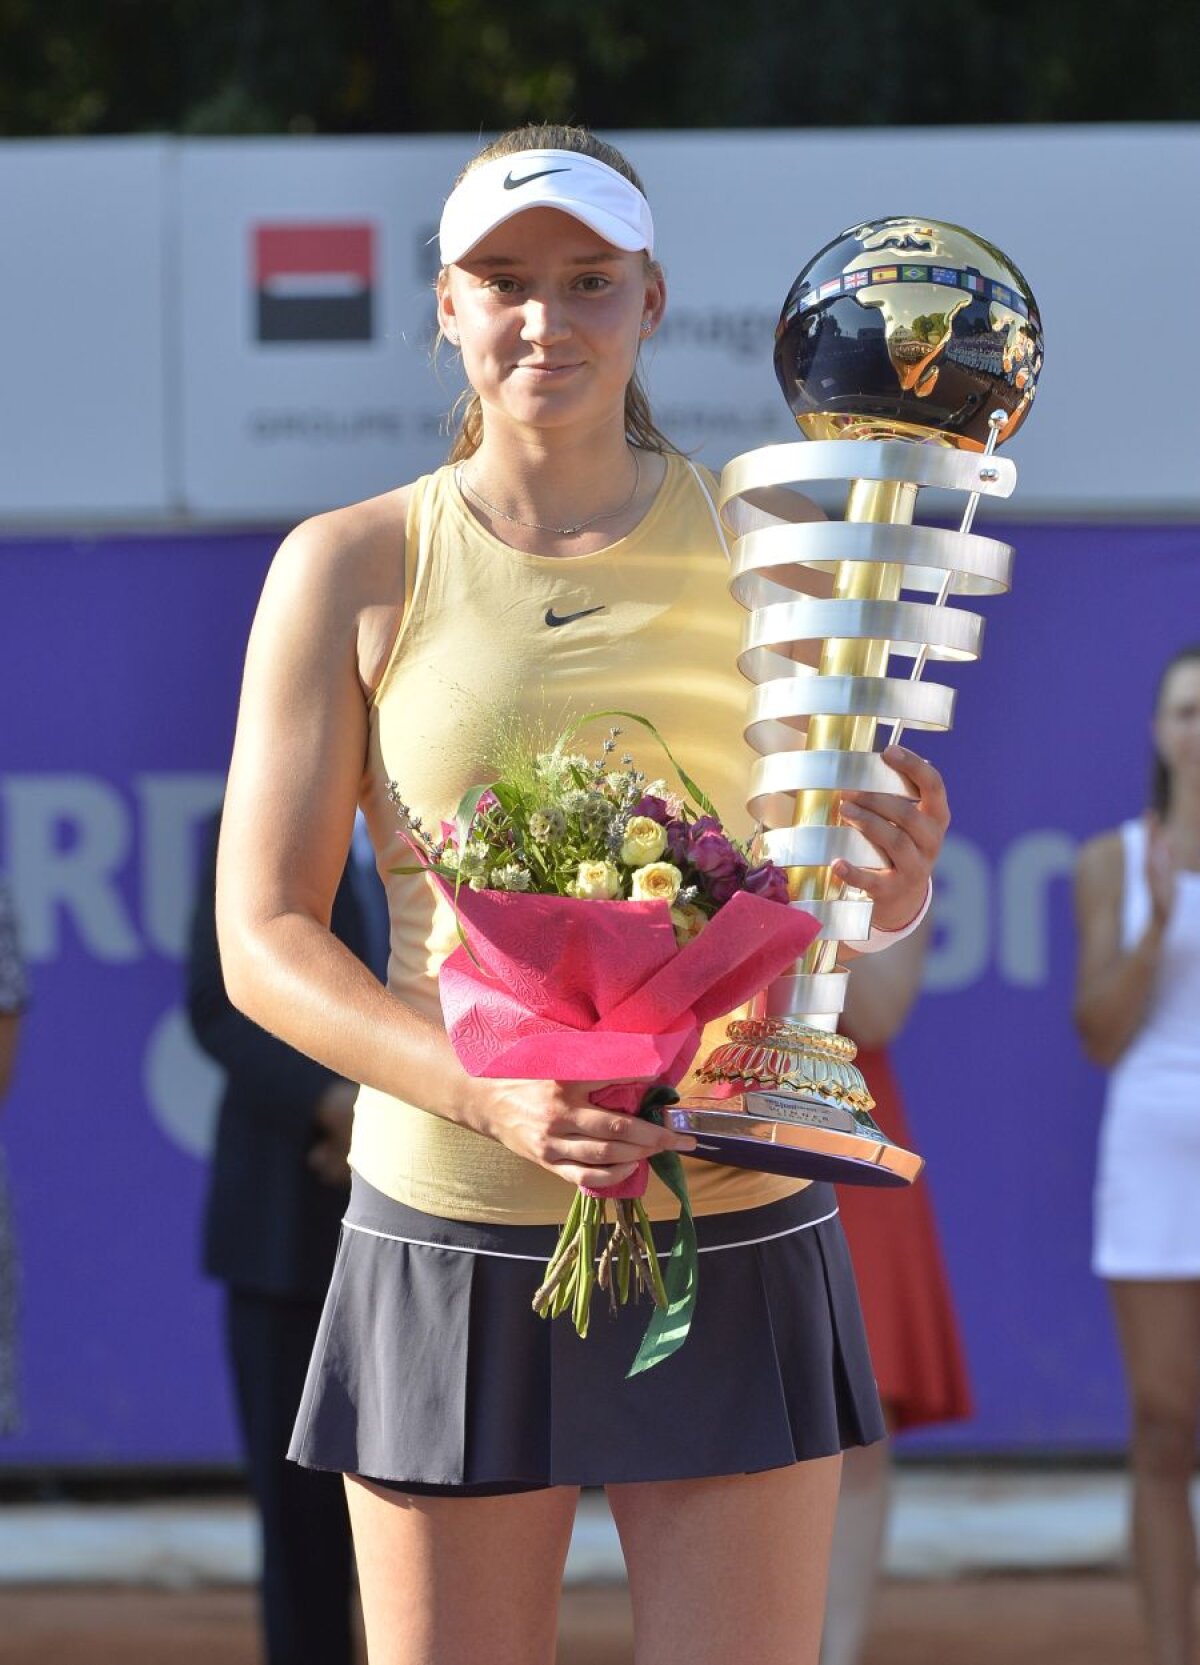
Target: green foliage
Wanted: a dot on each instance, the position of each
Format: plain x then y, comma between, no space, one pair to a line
929,326
397,66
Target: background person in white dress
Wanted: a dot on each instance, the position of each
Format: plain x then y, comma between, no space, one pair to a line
1138,1012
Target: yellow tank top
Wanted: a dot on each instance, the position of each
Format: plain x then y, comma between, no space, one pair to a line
651,628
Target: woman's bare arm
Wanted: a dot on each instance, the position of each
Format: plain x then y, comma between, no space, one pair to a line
298,762
882,989
1113,984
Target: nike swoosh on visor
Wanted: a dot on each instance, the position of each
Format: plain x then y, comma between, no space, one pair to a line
511,184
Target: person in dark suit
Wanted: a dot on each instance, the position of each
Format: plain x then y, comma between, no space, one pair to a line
278,1188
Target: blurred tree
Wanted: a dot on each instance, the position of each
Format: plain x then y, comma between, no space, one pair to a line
390,66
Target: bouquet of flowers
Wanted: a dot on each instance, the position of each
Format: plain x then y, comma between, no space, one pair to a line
603,921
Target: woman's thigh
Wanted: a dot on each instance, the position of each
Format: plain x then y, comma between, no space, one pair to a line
459,1580
729,1568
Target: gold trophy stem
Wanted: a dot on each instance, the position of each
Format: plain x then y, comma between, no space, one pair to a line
868,500
796,1078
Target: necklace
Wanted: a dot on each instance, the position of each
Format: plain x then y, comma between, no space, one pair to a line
464,485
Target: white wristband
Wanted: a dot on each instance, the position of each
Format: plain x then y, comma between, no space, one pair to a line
880,939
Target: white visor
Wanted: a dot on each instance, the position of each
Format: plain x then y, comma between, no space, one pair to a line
588,190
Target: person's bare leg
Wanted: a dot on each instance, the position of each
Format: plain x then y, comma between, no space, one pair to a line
460,1580
854,1565
729,1568
1159,1328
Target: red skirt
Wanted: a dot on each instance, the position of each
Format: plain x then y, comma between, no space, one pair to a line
902,1283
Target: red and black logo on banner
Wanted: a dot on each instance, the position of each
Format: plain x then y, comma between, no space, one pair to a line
314,282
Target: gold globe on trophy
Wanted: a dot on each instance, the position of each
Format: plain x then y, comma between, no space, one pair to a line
907,350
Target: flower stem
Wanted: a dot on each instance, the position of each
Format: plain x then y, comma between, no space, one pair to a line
628,1261
646,1236
585,1268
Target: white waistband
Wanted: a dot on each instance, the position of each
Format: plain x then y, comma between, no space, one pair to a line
504,1254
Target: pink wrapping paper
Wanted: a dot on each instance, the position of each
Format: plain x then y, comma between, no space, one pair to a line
571,990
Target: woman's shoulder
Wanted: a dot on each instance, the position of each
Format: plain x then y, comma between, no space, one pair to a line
351,538
344,561
344,571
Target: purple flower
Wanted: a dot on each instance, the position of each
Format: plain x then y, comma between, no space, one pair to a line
711,853
678,841
653,808
768,881
724,887
706,823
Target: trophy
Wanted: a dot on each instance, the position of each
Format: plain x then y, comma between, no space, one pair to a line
907,350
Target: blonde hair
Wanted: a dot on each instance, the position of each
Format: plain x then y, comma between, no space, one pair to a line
640,428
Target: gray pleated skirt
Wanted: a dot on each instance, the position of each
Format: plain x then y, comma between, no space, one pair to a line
431,1371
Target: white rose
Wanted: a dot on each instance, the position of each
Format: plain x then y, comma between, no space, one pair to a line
688,921
645,840
597,881
658,881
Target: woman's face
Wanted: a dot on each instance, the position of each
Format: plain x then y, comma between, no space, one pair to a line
549,317
1177,719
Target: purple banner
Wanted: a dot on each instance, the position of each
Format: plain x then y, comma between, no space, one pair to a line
118,682
119,668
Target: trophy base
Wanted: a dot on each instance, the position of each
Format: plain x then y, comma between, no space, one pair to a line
789,1133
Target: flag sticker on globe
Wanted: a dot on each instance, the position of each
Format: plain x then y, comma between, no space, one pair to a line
314,282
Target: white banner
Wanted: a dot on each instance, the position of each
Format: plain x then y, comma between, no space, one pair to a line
288,426
307,314
84,415
298,276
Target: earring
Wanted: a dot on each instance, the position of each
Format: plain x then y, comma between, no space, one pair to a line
646,326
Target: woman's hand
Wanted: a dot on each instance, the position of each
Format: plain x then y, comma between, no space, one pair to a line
1161,870
553,1124
908,834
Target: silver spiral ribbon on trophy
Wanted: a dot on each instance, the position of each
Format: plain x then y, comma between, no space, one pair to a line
908,350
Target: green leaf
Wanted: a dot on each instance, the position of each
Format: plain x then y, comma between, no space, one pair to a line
668,1327
464,815
696,793
507,796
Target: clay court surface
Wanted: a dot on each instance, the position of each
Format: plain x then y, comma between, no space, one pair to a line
1040,1620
